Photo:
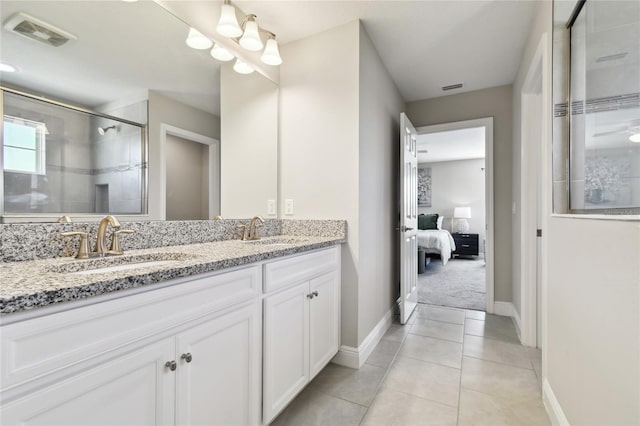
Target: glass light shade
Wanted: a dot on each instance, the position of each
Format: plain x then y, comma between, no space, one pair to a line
196,40
241,67
228,23
7,68
271,54
251,38
635,137
221,54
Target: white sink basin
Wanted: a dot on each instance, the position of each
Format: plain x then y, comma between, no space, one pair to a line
103,265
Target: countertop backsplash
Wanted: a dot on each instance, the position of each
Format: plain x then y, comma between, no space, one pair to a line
34,241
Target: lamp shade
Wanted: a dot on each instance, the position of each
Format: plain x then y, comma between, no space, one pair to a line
241,67
462,212
196,40
228,23
271,54
251,38
221,54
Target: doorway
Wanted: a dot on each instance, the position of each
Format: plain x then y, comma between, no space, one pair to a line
190,175
457,161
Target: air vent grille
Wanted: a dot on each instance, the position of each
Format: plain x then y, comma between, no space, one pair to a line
35,29
452,87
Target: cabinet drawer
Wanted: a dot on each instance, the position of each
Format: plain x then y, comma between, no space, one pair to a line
282,273
46,344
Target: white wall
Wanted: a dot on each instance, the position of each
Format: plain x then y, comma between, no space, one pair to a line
380,108
459,183
339,131
249,143
163,110
494,102
319,143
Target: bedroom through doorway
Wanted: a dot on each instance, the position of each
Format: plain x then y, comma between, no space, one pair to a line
455,219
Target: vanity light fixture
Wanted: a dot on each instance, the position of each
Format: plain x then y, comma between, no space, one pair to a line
250,39
241,67
246,35
635,137
7,68
221,54
197,40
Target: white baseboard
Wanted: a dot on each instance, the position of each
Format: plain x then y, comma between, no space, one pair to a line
351,357
556,415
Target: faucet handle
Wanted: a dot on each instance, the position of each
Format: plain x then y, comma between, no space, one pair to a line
116,248
83,250
241,231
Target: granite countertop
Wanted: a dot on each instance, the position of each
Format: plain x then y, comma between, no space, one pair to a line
33,284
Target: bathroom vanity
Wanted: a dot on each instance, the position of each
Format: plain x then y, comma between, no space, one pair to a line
220,333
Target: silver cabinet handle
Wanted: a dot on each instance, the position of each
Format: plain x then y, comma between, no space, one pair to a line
315,293
310,296
187,357
171,365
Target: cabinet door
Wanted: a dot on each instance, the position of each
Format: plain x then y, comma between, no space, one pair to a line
219,370
324,323
286,348
133,389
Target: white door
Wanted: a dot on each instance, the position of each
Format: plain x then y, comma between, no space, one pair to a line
133,389
219,370
324,322
408,219
286,348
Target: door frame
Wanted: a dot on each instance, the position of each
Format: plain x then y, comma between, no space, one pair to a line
534,94
214,158
487,123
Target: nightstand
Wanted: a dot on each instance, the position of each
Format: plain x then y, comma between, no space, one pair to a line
466,244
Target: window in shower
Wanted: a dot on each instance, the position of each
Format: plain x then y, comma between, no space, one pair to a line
24,145
604,108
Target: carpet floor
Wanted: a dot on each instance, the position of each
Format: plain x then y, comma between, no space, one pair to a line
460,284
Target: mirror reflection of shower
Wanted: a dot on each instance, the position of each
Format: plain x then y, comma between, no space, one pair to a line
104,130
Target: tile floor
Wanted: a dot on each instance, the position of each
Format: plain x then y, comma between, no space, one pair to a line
446,367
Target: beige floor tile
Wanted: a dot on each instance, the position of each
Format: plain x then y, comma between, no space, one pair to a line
424,379
477,315
397,332
393,408
432,350
480,409
513,384
358,386
312,408
438,330
439,313
496,350
535,355
384,353
493,327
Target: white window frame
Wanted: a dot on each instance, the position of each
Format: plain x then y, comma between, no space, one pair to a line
41,143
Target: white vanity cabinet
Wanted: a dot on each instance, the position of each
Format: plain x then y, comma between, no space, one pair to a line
188,354
301,324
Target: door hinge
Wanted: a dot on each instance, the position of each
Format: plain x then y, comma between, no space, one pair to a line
538,232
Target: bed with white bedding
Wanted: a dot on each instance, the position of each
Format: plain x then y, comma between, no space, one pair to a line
438,241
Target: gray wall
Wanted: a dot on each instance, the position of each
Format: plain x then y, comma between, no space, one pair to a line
495,102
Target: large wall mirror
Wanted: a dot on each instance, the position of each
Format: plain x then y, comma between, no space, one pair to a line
596,128
107,110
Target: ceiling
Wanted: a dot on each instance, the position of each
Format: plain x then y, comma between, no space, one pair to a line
452,145
424,44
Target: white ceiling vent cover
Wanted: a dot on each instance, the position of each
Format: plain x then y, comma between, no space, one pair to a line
35,29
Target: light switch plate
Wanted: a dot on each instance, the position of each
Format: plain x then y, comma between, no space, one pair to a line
288,206
271,207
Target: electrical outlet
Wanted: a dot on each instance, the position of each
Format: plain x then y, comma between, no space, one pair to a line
271,207
288,206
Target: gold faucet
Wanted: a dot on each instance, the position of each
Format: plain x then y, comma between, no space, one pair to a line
253,228
101,239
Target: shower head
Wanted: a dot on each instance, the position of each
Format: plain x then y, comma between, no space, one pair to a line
103,130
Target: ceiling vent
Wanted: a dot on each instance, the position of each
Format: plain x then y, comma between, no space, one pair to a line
452,87
35,29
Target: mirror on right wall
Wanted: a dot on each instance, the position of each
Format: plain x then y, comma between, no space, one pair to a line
596,96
